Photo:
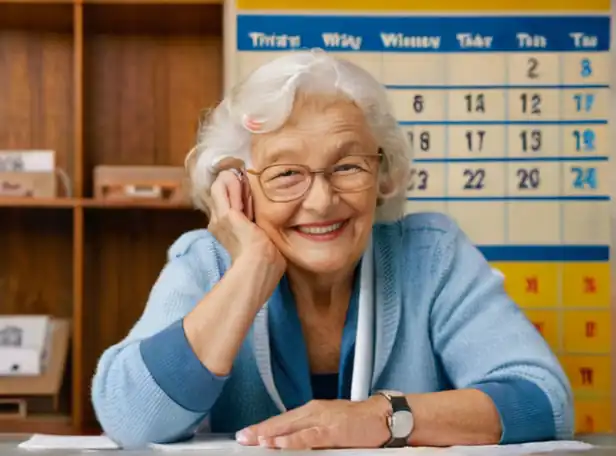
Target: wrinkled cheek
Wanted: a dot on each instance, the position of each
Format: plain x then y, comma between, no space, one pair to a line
274,218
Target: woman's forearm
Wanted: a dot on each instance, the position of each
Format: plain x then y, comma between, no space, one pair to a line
458,417
217,326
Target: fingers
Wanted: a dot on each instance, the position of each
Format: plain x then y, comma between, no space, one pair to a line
226,193
314,438
286,423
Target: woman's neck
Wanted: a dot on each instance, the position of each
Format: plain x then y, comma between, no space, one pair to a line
320,293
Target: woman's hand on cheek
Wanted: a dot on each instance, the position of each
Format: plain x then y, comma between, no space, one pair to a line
323,424
232,227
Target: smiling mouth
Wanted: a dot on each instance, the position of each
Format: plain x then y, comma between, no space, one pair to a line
322,231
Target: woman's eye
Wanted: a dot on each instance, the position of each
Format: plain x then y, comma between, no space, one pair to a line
347,168
288,173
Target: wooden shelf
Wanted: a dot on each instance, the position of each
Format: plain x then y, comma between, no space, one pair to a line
141,204
100,82
68,203
114,2
153,2
45,424
39,202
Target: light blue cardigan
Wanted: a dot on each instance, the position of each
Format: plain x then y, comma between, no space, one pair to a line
443,321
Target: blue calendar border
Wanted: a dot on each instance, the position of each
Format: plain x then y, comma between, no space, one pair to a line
547,253
266,33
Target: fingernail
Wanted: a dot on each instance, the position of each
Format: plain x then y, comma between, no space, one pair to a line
241,436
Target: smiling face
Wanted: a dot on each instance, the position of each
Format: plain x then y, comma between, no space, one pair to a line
324,231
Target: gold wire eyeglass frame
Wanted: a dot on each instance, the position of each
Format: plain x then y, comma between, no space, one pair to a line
327,173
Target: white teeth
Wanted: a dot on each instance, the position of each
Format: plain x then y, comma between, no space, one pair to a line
319,229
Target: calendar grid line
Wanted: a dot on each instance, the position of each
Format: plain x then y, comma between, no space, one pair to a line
561,158
498,87
445,73
511,198
567,308
561,212
506,208
503,122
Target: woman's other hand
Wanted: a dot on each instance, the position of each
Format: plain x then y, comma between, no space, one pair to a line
323,424
231,221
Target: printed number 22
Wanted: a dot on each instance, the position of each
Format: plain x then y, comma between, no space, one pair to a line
474,179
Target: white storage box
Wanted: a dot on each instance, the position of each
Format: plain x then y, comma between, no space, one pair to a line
24,344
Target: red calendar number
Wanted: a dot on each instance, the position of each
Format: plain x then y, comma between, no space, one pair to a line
587,375
532,285
590,329
590,285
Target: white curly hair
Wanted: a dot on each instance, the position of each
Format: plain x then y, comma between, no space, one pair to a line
264,101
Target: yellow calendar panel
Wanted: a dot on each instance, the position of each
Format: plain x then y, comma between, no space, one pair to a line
438,5
531,285
546,322
589,375
586,284
587,331
593,416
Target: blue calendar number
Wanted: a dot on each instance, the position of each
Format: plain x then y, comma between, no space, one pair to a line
584,102
584,178
585,68
585,140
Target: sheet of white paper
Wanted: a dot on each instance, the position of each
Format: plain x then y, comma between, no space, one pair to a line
202,442
521,449
68,442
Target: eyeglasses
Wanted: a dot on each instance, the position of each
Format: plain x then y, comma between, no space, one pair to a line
283,183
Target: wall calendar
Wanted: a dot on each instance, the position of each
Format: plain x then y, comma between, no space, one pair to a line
507,108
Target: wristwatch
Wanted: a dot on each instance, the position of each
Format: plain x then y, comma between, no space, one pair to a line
400,421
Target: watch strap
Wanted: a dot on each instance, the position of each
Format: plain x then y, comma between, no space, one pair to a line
398,403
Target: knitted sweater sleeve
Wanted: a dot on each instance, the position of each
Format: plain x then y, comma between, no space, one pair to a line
151,387
485,342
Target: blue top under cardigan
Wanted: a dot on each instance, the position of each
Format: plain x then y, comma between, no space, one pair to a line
443,321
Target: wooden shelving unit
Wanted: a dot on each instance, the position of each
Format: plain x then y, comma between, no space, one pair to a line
100,82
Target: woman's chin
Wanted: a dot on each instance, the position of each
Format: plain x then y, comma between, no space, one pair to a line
316,263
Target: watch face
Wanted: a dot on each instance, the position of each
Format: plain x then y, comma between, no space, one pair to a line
401,424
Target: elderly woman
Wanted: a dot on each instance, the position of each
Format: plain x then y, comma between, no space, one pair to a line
312,313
